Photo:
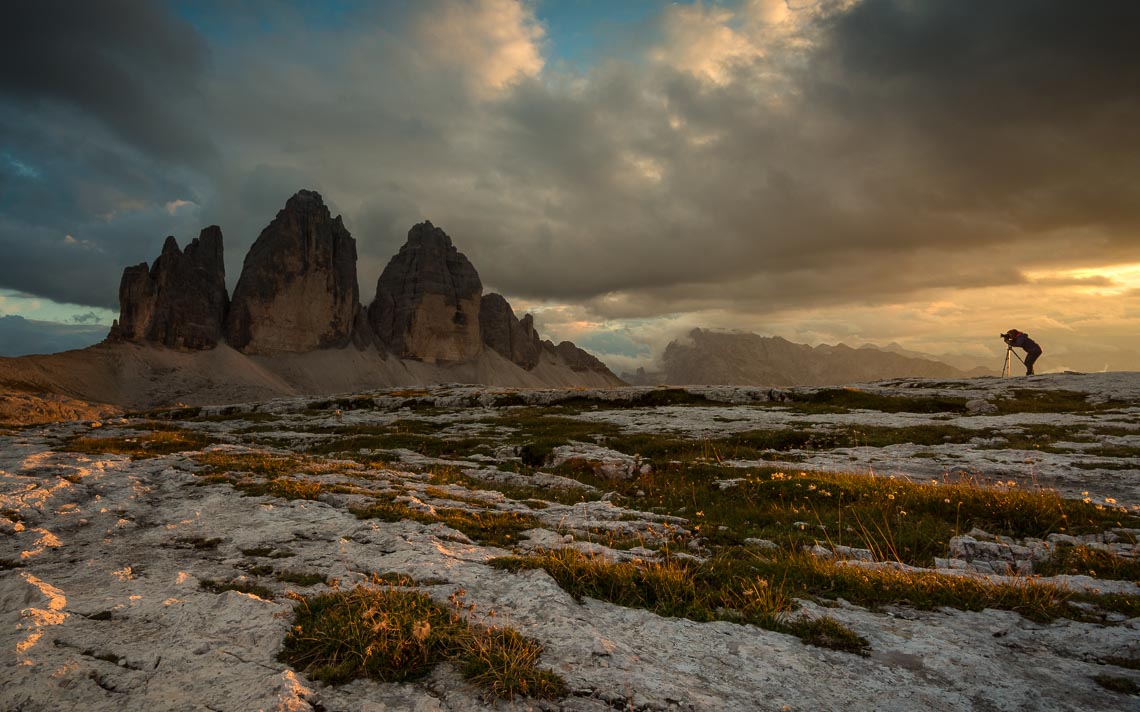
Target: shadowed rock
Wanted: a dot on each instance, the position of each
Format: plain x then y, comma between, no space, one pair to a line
576,358
428,300
181,300
298,290
503,332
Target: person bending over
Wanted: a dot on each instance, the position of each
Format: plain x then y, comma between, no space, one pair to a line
1017,339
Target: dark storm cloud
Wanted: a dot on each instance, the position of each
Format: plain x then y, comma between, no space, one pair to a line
130,64
1026,109
874,153
98,134
931,144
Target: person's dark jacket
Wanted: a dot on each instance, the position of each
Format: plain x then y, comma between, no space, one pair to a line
1022,341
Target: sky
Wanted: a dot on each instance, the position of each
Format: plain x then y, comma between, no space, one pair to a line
924,172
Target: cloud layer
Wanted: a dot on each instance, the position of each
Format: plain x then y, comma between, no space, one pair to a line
771,165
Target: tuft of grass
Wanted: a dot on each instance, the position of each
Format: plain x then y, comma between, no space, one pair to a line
392,578
717,589
283,487
1089,561
258,463
505,663
275,471
300,578
393,636
153,444
844,400
925,590
252,589
485,527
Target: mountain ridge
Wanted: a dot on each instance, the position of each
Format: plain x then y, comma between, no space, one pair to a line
707,357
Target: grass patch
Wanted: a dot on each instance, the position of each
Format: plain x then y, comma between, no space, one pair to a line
1029,400
1089,561
926,590
1103,465
747,587
153,444
283,487
656,398
897,519
717,589
252,589
485,527
393,636
844,400
300,578
260,463
273,470
392,578
422,444
437,493
537,433
520,493
228,415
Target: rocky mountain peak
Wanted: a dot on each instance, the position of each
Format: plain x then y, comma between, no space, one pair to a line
504,333
304,200
427,300
181,300
298,290
428,236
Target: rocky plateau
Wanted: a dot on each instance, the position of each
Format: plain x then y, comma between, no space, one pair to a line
110,559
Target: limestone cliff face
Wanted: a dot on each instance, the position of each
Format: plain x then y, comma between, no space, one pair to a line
298,290
181,300
512,338
298,293
428,300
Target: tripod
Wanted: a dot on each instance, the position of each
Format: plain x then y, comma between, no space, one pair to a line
1009,350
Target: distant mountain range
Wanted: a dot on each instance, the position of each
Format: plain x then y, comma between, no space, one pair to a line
739,358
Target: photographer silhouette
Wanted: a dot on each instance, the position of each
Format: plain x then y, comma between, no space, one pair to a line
1014,338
